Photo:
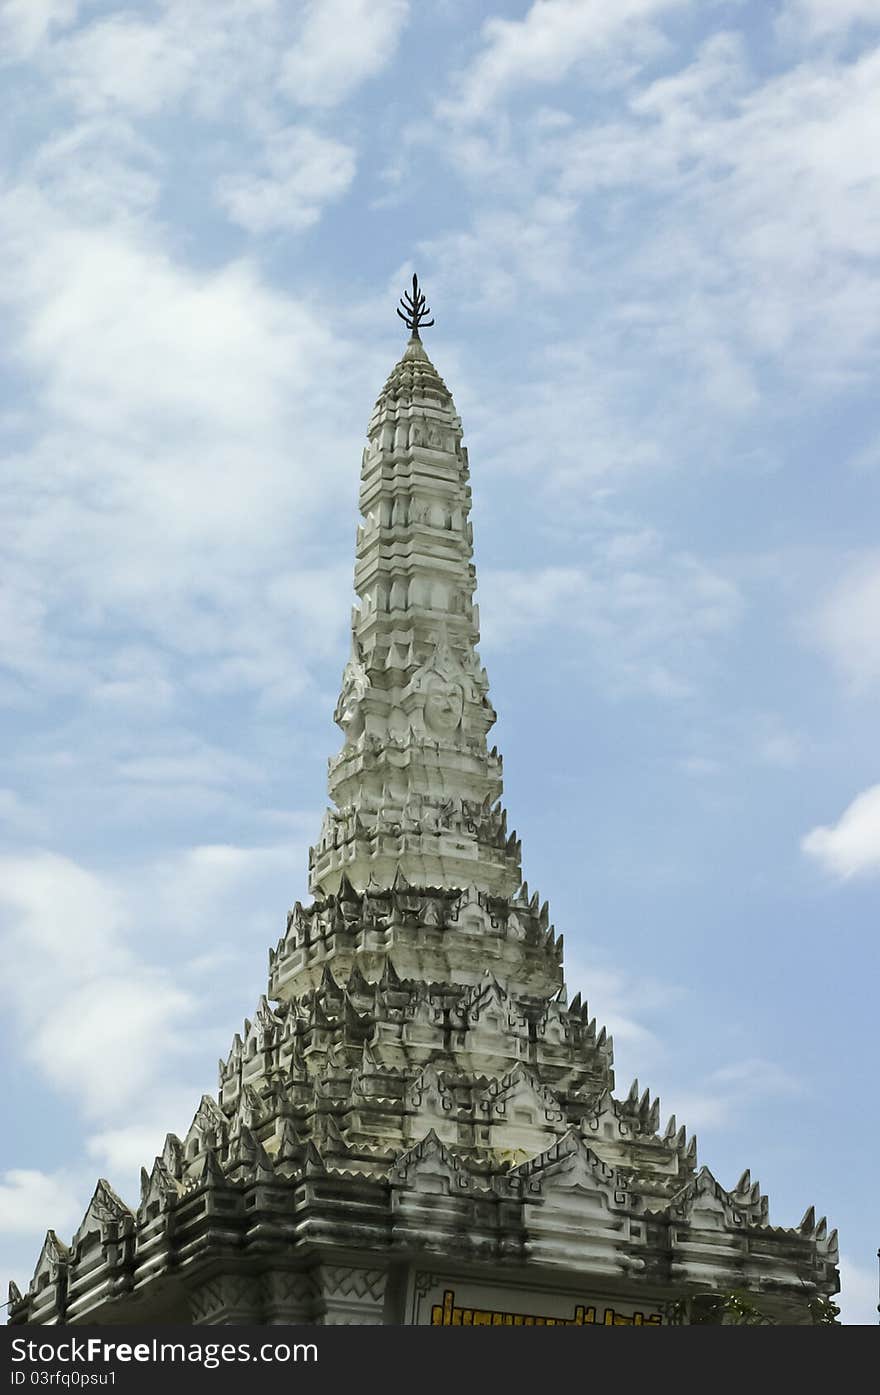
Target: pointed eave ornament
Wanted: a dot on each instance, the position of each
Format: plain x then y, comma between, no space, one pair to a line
413,309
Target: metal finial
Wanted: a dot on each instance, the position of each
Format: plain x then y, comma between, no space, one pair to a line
414,309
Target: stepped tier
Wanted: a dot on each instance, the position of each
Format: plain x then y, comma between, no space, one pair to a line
415,787
435,934
373,1117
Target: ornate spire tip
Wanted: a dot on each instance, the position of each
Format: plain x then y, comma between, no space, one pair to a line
414,309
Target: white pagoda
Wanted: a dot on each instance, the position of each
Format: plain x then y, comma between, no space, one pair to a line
418,1126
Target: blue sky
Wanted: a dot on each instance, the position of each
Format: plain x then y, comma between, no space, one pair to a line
649,232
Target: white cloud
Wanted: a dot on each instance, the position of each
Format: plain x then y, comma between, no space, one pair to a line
135,679
107,1040
98,169
126,61
125,1021
131,1044
813,19
724,196
114,1019
621,1001
133,1139
850,847
214,57
188,761
767,188
215,884
548,43
302,171
27,1197
505,250
846,626
173,483
776,744
26,24
122,335
645,620
208,57
18,814
340,45
722,1099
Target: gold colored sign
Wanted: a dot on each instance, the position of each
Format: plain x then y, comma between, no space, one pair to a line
446,1314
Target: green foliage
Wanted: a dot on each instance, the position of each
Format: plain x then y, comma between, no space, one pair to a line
824,1312
738,1309
734,1309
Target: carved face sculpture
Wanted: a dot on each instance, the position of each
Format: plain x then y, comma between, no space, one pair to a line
349,712
444,705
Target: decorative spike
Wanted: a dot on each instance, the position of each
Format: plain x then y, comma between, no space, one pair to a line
288,1143
602,1038
654,1116
755,1194
145,1184
544,915
313,1163
328,982
808,1224
212,1172
389,977
632,1097
669,1134
822,1228
357,984
575,1004
172,1155
14,1293
346,891
745,1182
645,1102
680,1139
691,1154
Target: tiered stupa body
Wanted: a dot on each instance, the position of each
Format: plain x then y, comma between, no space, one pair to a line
414,784
418,1126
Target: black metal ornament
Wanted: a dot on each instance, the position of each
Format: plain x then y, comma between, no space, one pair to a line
414,309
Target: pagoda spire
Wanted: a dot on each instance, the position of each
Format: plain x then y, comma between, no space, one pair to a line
415,787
